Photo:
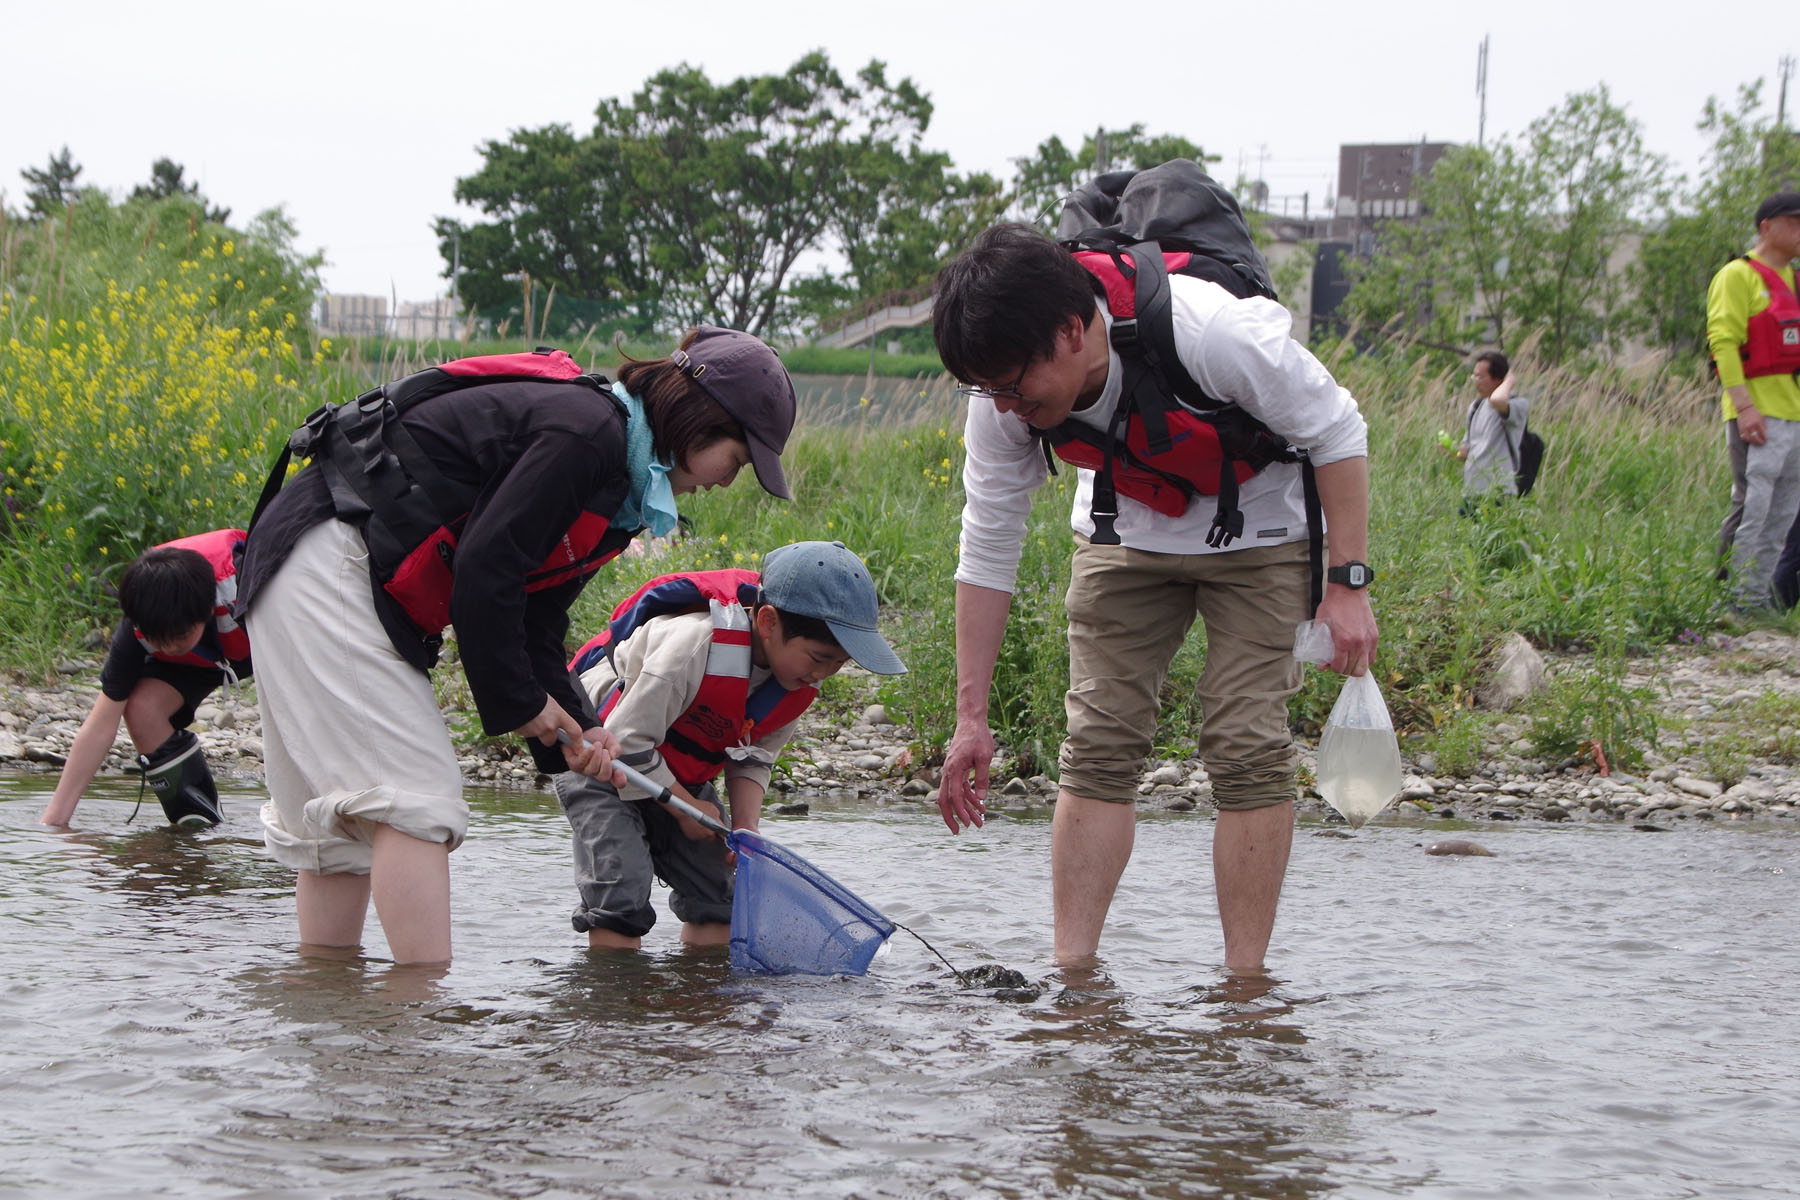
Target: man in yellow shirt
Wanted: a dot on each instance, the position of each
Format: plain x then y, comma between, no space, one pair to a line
1753,326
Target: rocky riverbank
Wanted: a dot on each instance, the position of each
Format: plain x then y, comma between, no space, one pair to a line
1712,694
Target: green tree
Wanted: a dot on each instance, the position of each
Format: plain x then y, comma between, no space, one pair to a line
695,200
559,214
896,235
52,189
166,181
1521,240
734,183
1044,177
1706,224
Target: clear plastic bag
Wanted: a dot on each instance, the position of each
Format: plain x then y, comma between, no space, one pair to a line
1359,756
1313,644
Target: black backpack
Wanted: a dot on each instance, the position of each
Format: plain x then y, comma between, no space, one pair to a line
1526,460
381,479
1527,457
1136,218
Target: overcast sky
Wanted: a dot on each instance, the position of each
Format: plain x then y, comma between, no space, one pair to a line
359,117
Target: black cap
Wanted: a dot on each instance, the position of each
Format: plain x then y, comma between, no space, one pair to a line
1781,204
745,377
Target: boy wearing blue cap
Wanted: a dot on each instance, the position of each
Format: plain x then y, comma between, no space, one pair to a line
699,674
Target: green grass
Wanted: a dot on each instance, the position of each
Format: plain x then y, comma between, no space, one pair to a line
125,421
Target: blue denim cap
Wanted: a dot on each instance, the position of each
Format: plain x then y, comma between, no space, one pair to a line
826,581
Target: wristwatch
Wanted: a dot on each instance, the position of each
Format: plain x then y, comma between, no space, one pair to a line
1351,575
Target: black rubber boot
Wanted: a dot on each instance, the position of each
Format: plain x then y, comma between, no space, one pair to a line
176,771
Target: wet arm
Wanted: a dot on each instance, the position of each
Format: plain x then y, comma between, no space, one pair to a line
92,742
746,796
981,614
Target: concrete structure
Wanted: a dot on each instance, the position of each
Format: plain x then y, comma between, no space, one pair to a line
352,315
901,310
347,315
441,319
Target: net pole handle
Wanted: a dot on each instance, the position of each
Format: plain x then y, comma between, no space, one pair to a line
658,792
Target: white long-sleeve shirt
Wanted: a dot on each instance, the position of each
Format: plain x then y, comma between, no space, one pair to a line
1241,351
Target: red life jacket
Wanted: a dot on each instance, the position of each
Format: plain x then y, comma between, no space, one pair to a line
724,713
423,579
1772,337
221,548
1176,442
384,482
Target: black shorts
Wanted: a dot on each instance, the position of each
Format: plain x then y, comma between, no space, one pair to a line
194,683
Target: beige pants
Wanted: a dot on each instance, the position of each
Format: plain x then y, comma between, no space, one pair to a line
1129,611
352,734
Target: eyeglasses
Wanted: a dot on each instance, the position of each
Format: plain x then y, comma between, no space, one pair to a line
1009,392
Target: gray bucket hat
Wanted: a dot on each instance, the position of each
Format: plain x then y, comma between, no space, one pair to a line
828,582
745,377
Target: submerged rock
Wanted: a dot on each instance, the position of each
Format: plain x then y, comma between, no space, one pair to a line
993,975
1459,846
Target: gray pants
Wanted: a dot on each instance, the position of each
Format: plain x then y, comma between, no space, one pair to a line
1771,500
621,844
1735,448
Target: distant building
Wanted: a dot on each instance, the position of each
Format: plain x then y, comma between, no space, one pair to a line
367,316
348,315
419,320
1379,182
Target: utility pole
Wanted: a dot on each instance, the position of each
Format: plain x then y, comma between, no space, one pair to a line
1481,90
1786,71
455,275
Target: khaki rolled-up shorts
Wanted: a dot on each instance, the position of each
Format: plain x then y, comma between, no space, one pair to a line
352,734
1128,613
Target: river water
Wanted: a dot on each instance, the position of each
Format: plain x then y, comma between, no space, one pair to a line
1591,1012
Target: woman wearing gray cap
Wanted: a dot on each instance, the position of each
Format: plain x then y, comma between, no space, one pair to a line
485,505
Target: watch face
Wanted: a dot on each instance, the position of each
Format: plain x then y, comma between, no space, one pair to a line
1359,575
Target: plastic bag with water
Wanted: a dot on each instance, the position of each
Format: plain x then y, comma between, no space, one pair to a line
1359,754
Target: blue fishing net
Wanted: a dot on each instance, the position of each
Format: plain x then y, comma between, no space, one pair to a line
790,918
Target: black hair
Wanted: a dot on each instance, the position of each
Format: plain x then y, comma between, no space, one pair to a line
1497,364
166,591
998,306
683,418
798,625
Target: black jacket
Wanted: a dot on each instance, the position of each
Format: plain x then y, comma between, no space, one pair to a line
528,459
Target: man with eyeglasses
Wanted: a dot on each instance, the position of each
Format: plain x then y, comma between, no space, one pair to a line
1016,319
